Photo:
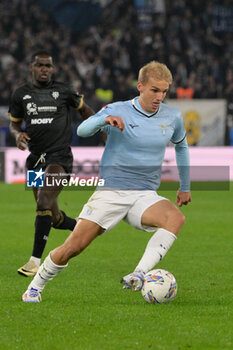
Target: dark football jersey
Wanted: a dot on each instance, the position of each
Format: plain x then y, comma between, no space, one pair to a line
46,113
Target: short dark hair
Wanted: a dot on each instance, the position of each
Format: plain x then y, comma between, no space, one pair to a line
40,53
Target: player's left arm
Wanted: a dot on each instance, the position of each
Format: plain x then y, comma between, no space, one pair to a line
76,100
182,160
84,109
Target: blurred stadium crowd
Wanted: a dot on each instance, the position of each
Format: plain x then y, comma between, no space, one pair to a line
102,62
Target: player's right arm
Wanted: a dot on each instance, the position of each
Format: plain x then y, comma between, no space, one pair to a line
21,137
115,121
93,124
16,113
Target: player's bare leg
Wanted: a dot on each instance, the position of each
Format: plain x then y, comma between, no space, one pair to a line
59,219
54,207
84,233
169,220
164,214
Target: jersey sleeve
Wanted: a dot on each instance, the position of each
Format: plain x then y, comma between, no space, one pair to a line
179,132
96,122
75,99
16,112
106,111
183,164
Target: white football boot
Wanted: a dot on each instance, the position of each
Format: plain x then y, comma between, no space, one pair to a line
32,295
134,280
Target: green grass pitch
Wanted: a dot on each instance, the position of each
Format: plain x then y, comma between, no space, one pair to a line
85,308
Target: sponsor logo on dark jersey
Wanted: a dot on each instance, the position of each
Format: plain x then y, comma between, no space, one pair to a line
27,97
42,121
33,109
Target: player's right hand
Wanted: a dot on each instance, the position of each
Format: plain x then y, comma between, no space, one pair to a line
117,122
22,140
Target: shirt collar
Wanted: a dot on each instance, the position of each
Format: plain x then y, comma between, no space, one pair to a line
137,106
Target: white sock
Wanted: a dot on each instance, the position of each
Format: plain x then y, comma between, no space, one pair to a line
156,248
36,260
47,271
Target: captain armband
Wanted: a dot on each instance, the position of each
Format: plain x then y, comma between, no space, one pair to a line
81,102
13,119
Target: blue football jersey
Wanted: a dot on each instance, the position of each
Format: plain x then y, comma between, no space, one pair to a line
132,159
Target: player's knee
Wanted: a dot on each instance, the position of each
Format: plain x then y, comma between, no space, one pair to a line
180,219
44,201
175,220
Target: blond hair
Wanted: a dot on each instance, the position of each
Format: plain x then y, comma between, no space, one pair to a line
156,70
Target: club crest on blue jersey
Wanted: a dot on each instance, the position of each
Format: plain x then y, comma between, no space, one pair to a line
164,126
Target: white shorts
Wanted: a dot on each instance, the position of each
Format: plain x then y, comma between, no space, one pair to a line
108,207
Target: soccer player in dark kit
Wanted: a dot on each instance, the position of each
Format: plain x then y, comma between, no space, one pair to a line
44,106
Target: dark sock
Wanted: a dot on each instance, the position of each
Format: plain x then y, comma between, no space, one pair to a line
42,227
65,222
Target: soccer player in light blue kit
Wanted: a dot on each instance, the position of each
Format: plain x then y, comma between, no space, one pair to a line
138,133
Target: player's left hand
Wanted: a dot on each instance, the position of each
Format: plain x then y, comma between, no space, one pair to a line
183,198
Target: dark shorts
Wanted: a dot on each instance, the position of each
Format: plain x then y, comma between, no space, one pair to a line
63,158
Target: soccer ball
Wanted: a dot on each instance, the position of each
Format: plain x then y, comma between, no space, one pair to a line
159,286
